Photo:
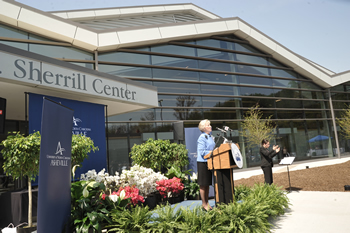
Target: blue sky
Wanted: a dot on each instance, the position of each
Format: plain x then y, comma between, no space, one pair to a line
315,29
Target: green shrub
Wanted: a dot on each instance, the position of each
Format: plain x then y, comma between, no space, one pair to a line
158,154
249,213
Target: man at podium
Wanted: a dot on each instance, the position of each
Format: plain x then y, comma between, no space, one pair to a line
205,144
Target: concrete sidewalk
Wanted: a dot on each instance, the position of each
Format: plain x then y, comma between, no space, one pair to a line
309,212
321,212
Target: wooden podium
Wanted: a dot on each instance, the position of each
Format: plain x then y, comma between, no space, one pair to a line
222,163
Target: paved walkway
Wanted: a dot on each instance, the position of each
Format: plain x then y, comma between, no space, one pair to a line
309,212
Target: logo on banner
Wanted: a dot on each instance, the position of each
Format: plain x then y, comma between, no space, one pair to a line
59,149
75,120
58,160
79,130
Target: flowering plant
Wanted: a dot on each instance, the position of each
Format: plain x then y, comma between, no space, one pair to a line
144,179
192,187
168,187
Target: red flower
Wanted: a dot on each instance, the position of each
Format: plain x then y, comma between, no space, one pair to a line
173,185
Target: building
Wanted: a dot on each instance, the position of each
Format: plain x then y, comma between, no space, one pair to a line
186,64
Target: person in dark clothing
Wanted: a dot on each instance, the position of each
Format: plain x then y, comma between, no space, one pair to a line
266,159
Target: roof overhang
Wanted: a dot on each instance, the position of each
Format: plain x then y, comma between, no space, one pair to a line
64,29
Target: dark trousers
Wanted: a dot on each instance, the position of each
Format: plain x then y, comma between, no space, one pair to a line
268,174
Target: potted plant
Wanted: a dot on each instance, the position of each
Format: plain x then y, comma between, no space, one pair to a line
192,188
21,158
22,153
169,188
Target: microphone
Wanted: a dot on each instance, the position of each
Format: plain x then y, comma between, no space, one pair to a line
222,130
227,128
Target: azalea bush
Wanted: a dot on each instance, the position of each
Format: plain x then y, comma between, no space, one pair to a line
169,187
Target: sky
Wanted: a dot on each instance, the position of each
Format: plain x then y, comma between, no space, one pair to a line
315,29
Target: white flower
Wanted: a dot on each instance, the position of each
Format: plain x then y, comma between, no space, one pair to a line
122,194
114,197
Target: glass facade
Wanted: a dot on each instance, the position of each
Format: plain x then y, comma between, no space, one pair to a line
209,78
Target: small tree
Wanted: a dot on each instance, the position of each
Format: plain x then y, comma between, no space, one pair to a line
22,153
344,123
158,154
254,129
21,158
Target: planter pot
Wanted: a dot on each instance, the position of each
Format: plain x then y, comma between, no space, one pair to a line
151,201
26,229
177,199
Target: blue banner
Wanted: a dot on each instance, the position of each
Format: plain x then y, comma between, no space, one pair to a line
54,168
191,137
88,119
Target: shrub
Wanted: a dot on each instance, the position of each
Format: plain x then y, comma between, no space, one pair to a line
158,154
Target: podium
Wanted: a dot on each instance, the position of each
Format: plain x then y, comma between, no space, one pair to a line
222,163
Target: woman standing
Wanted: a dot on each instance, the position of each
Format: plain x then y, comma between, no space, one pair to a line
266,159
205,144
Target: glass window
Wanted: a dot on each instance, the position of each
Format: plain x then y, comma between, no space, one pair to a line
218,89
216,114
311,95
220,102
283,73
273,62
285,83
246,48
143,115
170,87
174,49
251,59
265,113
216,44
255,80
254,91
207,53
263,103
86,65
213,77
9,32
167,74
287,93
179,101
125,71
131,58
309,85
252,70
60,52
338,88
283,103
340,105
210,65
23,46
290,114
314,114
339,96
312,104
174,62
178,114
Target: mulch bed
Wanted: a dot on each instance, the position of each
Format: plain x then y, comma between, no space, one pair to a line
326,178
